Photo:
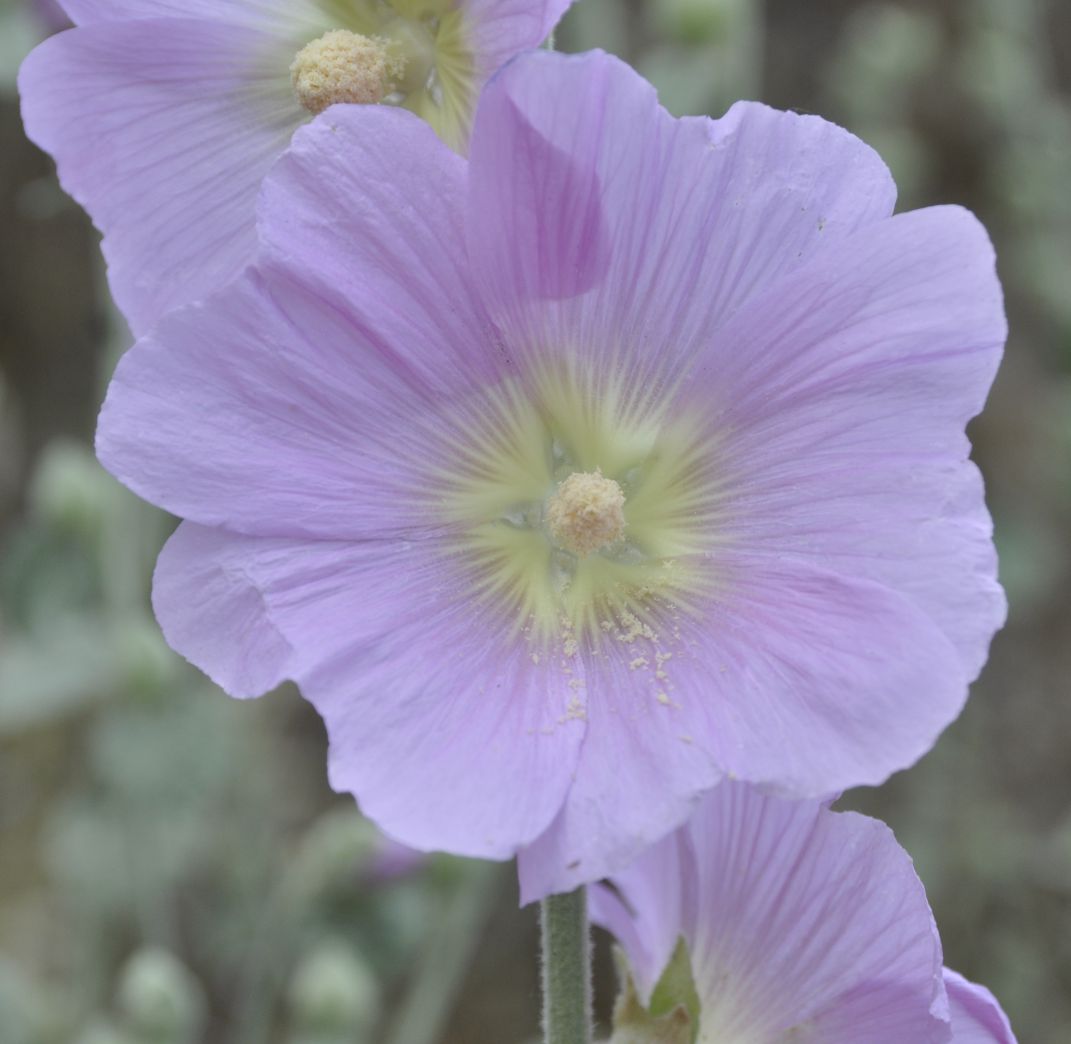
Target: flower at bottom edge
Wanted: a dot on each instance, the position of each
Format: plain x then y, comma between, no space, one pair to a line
775,922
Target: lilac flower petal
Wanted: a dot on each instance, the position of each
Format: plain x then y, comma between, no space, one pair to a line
189,127
522,252
977,1017
822,916
799,679
810,682
847,388
701,214
645,909
610,815
801,924
258,13
289,405
367,206
211,611
446,731
499,29
259,411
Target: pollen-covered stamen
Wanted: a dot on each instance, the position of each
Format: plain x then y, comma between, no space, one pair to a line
586,513
344,67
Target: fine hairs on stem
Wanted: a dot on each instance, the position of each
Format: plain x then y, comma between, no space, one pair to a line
566,971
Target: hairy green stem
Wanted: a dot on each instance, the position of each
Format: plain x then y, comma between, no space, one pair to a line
566,969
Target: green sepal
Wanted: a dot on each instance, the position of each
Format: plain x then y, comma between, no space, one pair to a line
673,1017
676,987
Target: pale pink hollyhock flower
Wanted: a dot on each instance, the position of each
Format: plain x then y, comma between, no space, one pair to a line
568,479
793,923
164,115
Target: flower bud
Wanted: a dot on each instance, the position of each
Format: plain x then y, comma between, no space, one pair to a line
160,999
69,490
334,995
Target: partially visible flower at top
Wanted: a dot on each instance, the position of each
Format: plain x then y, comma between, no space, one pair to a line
781,922
163,116
569,479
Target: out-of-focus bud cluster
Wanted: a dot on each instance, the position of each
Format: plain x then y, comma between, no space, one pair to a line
75,627
172,801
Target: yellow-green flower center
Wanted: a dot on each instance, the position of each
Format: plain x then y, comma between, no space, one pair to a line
344,67
416,54
586,513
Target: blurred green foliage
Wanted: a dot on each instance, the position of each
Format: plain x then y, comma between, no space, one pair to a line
173,868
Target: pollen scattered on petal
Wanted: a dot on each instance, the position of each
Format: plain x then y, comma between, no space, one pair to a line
343,67
586,513
632,628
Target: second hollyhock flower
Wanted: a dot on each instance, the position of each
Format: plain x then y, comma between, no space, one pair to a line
776,922
569,479
164,115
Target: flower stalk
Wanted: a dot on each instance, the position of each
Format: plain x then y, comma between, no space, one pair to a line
566,969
